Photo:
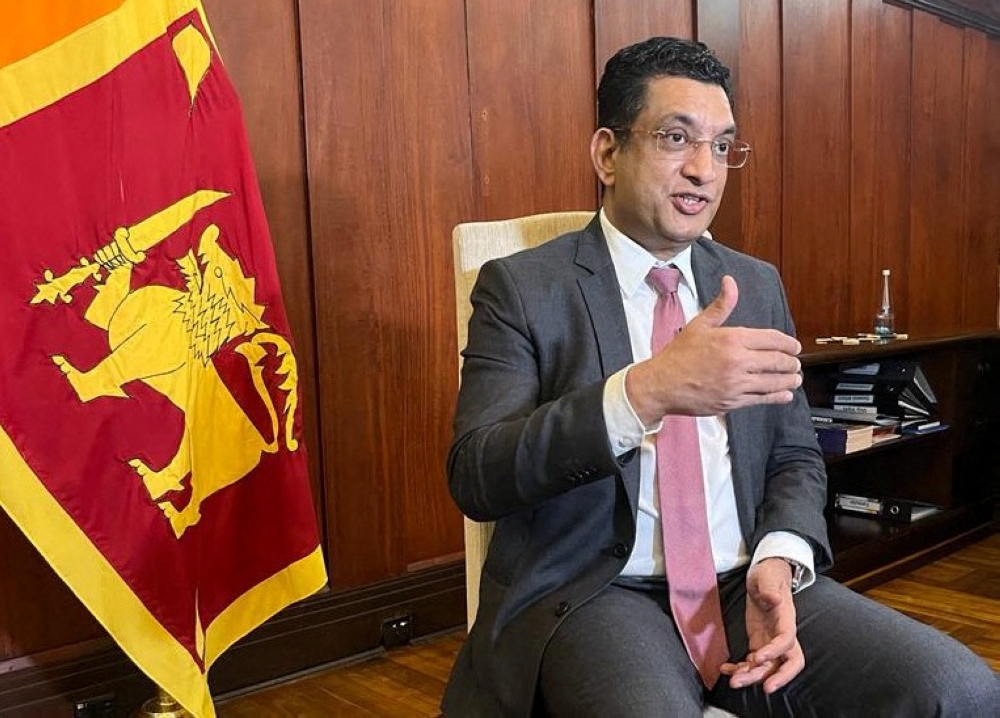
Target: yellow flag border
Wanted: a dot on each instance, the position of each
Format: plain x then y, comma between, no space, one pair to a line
99,587
85,55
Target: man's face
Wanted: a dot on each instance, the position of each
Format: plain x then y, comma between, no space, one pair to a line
663,200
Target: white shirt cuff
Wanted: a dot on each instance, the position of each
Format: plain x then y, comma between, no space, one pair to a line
625,429
786,545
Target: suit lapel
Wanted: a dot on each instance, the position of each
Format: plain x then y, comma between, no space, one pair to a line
602,295
598,284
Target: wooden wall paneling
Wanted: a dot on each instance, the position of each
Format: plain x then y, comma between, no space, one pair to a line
531,74
618,23
759,118
816,172
988,208
387,145
937,219
37,611
880,160
259,44
718,26
433,182
982,188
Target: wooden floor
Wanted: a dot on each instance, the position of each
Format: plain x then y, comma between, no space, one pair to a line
960,594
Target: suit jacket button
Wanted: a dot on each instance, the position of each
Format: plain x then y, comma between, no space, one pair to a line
562,609
621,550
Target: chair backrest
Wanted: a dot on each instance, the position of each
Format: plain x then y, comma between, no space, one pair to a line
473,244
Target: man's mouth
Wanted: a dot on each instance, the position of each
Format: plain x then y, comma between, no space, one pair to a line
689,203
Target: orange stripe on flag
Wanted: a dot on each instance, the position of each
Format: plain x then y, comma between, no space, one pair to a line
31,26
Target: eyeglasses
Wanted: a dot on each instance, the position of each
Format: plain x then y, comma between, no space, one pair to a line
677,145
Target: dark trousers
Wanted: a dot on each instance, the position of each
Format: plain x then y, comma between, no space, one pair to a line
620,655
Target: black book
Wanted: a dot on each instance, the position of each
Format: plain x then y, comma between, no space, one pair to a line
896,387
900,510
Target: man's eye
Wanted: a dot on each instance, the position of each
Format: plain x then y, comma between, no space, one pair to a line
675,139
722,147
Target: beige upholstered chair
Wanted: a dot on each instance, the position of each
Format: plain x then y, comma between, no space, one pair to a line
473,244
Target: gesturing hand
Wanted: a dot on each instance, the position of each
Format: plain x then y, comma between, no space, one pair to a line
775,654
711,369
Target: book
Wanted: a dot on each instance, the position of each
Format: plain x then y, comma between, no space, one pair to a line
895,387
865,369
843,438
853,398
899,510
921,426
911,409
849,413
885,432
854,386
856,409
924,386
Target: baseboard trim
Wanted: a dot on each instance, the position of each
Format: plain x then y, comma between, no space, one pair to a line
325,629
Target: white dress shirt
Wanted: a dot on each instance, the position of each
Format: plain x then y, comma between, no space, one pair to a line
626,432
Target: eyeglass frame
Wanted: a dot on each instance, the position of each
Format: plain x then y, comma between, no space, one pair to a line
692,145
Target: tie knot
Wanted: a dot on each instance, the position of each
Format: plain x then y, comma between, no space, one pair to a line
665,279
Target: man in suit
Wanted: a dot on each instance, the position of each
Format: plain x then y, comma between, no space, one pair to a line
557,436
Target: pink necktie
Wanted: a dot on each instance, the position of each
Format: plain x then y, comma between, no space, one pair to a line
687,548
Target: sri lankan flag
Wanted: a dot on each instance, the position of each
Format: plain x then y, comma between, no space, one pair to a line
149,423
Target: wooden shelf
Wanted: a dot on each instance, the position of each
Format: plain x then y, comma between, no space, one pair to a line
957,469
900,442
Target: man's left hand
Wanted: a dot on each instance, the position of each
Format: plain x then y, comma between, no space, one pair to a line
775,654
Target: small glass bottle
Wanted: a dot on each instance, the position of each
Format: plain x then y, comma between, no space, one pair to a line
884,324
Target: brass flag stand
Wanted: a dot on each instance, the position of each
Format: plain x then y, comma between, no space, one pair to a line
162,706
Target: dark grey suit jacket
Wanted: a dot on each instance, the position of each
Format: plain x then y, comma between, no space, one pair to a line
531,450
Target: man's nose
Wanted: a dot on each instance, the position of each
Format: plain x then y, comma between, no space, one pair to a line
700,167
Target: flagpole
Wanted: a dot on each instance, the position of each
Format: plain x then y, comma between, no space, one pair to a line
162,706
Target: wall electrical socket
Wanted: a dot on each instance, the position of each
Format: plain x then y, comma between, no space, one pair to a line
100,707
397,631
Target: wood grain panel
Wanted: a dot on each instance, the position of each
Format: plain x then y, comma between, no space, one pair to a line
937,217
718,26
258,41
989,207
532,106
816,158
758,115
618,23
389,176
37,611
982,185
432,181
880,160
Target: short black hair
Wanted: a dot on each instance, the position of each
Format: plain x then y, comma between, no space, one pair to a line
621,95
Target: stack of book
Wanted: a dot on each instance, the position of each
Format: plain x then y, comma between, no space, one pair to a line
895,388
873,402
840,437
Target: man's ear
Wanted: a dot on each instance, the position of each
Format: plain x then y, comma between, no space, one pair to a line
603,153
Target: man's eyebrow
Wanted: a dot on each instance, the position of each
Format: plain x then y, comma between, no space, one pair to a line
688,121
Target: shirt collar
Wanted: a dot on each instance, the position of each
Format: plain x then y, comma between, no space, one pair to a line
633,262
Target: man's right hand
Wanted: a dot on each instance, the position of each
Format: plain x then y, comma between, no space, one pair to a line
710,369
